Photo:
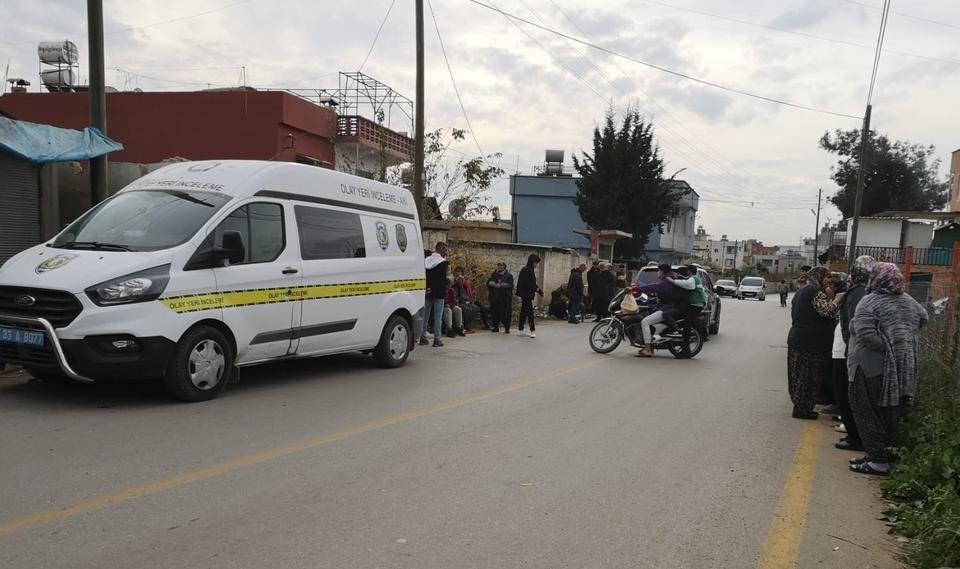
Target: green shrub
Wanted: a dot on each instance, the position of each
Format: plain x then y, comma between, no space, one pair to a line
925,484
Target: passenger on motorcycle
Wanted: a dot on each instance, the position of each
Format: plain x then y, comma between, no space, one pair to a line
672,303
688,279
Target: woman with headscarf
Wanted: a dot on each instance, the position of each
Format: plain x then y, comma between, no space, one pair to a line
856,290
882,360
810,341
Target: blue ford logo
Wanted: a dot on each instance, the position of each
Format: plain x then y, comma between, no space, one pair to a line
25,300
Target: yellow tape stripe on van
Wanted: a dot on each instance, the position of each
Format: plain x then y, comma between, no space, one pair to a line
237,298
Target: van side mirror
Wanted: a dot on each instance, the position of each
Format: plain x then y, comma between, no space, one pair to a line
232,249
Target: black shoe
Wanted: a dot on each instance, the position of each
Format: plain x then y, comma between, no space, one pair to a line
846,445
438,343
807,415
461,333
495,330
423,342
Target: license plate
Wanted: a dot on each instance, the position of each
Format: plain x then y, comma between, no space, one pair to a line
21,337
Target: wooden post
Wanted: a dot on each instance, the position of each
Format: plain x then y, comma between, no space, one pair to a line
908,267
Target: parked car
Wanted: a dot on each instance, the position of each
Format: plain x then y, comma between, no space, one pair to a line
711,311
200,268
752,287
726,287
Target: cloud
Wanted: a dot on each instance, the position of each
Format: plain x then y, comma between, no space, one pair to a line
812,12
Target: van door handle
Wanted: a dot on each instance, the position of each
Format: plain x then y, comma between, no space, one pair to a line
290,271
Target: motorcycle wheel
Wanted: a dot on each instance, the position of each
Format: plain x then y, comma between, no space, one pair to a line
606,336
696,344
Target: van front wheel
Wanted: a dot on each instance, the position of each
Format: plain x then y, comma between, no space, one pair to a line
395,342
201,365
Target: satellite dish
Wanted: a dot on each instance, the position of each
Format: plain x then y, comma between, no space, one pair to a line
457,208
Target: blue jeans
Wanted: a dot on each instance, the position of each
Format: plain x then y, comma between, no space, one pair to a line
434,306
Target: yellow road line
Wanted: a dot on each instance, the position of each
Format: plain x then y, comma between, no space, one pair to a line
786,532
98,502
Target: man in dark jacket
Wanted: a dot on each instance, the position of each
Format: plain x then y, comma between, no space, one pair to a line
526,289
593,276
603,289
500,287
436,266
575,293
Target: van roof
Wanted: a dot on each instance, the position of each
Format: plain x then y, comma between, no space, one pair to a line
247,178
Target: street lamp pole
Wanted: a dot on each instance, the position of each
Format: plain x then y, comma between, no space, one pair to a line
418,151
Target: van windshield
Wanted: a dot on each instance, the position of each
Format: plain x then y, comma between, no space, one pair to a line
752,282
142,220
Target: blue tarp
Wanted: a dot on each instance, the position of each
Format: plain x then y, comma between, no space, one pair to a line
42,143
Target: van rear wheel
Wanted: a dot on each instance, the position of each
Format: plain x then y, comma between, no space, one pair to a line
200,366
396,340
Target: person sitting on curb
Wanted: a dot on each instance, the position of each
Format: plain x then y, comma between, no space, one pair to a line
452,313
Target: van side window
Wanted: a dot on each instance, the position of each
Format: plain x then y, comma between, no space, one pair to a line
329,234
261,226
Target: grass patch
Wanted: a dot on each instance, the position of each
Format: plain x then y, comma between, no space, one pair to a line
925,485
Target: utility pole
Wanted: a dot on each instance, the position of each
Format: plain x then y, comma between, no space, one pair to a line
98,97
418,190
816,230
864,139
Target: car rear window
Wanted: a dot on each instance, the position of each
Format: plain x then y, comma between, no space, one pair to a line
647,276
724,283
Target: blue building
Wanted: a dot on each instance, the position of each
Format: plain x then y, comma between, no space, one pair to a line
544,214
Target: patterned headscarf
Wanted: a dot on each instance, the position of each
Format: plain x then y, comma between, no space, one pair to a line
887,279
817,275
862,267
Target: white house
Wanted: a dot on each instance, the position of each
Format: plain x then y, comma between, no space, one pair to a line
894,232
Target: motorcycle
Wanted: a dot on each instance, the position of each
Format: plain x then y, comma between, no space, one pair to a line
607,334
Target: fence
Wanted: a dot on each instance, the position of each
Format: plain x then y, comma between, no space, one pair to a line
934,256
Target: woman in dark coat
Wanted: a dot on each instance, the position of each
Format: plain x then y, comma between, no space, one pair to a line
882,360
810,342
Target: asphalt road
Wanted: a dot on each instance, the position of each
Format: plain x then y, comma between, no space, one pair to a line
492,452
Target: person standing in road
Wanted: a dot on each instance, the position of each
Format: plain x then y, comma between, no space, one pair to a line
856,290
437,266
527,288
810,342
575,293
882,360
606,283
593,287
621,276
500,287
783,289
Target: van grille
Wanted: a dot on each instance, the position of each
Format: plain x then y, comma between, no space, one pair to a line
59,307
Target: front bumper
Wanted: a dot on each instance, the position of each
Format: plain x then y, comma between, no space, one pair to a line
90,358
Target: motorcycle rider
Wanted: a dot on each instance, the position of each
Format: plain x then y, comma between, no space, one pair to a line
672,303
688,279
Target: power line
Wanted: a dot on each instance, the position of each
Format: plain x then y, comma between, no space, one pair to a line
376,37
795,32
667,111
456,90
905,15
513,17
876,58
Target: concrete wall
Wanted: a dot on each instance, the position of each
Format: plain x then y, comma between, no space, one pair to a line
544,212
72,181
199,125
877,233
919,235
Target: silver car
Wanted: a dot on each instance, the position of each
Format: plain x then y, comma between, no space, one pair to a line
752,287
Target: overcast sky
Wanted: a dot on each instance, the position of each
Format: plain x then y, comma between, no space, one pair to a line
522,97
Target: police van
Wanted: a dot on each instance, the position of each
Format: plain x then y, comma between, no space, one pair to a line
200,268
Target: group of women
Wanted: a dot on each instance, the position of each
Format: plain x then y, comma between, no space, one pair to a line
869,329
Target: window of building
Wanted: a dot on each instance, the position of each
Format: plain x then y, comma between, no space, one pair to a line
329,234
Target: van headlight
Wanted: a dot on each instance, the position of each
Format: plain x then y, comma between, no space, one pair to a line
135,287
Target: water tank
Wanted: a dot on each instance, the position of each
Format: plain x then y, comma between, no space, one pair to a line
58,78
58,52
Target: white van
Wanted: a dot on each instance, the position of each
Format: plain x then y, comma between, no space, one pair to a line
202,267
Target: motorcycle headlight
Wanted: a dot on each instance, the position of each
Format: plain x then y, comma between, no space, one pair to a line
135,287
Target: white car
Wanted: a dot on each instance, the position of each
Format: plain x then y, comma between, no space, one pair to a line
752,287
199,268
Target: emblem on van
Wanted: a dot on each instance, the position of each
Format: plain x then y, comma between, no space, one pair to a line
203,167
25,300
55,262
383,238
401,238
